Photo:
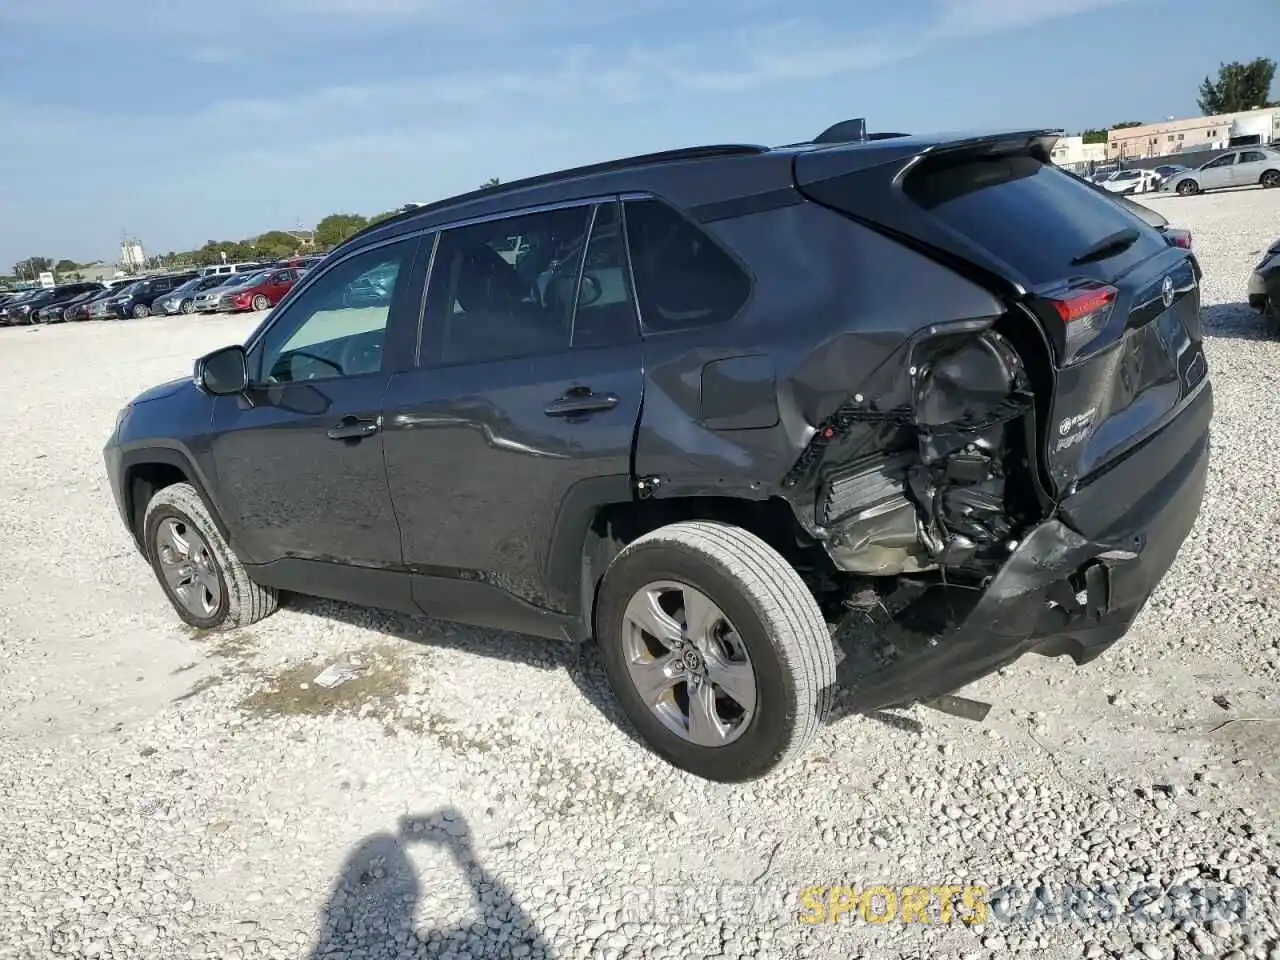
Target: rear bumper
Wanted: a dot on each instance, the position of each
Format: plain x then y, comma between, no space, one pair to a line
1077,581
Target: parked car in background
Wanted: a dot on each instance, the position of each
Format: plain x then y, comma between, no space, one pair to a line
1131,181
261,291
1264,287
55,310
1239,168
137,299
80,308
303,260
182,298
13,311
206,301
26,310
226,269
103,308
1167,170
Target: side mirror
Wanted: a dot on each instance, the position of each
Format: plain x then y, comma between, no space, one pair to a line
223,372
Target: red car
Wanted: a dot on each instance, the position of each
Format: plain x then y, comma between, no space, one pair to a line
261,291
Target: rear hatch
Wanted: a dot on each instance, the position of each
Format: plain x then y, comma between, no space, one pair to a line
1119,305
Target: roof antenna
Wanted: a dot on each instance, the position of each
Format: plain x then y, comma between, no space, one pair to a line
846,131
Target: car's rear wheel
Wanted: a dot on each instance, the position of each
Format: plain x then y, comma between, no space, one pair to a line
141,311
260,302
186,306
207,585
1270,178
1188,188
716,650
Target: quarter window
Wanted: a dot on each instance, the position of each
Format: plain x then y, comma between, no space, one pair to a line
507,288
683,278
337,327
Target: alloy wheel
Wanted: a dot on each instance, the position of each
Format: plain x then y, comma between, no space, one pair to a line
188,567
688,663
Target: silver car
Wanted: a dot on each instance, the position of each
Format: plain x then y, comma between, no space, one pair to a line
1239,168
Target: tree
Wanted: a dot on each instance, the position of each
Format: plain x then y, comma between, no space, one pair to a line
336,227
1240,86
491,183
65,267
32,267
1095,136
384,215
276,244
1126,123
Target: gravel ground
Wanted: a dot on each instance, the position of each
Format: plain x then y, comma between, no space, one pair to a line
472,794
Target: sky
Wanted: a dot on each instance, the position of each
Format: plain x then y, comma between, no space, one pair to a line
182,121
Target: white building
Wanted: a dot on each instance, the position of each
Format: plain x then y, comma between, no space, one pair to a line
1073,152
132,256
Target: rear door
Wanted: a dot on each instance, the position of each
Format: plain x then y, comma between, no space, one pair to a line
1120,306
1248,170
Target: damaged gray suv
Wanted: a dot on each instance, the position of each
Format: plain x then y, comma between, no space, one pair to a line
705,407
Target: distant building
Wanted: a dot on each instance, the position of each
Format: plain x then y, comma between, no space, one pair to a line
132,256
1195,134
1075,154
307,238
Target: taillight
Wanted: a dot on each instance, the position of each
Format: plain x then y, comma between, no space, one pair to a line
1178,237
1083,309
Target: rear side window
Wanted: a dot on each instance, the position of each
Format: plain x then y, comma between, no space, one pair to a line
683,278
1029,214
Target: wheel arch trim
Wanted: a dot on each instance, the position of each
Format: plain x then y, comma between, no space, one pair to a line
169,456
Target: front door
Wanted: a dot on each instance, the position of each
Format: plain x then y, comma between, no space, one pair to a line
1217,173
523,412
300,457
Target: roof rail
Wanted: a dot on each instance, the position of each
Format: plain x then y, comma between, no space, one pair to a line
624,163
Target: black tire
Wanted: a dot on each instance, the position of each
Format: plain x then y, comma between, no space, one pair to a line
186,306
1270,178
1188,188
141,311
260,302
1271,317
242,601
777,619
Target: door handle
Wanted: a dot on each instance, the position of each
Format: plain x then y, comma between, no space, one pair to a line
351,428
581,400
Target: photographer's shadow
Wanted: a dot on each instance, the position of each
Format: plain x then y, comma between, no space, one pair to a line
371,907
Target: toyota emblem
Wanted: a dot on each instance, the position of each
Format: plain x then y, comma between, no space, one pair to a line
1166,292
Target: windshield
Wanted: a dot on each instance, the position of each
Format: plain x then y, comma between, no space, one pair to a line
127,288
249,279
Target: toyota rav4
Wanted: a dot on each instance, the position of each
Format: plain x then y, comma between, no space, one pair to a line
702,407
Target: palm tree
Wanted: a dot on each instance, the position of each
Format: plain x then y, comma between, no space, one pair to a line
491,183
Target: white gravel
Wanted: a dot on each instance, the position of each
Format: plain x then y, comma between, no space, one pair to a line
166,795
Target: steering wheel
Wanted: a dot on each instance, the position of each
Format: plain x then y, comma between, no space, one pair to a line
325,361
590,291
361,355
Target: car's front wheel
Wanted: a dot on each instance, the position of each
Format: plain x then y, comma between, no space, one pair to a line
1270,178
141,311
260,302
186,306
1188,188
207,585
716,650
